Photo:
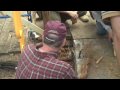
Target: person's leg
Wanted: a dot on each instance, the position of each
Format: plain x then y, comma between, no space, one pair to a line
83,17
100,29
115,21
114,18
64,17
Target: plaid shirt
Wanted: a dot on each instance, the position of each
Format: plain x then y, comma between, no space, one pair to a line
37,65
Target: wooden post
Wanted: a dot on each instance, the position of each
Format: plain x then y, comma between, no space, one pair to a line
19,28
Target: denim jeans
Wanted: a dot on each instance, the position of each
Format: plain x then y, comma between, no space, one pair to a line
100,29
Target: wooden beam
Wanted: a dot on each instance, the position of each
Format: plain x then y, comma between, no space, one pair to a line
32,26
8,65
26,23
9,13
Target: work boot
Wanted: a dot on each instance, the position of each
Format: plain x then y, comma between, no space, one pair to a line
84,18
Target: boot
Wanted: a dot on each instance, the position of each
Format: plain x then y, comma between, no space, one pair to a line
84,18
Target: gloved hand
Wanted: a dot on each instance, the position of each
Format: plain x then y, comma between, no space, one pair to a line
73,14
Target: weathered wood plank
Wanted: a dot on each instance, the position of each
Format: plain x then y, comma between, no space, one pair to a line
85,30
9,65
81,59
32,26
14,45
27,23
96,48
2,22
8,38
3,42
3,38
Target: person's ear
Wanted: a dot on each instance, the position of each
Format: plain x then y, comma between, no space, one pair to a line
42,37
64,42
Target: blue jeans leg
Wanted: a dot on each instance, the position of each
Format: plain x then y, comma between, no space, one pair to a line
100,29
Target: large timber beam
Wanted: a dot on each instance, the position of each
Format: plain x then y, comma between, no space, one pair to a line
26,23
32,26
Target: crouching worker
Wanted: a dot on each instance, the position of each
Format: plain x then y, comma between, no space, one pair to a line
40,61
